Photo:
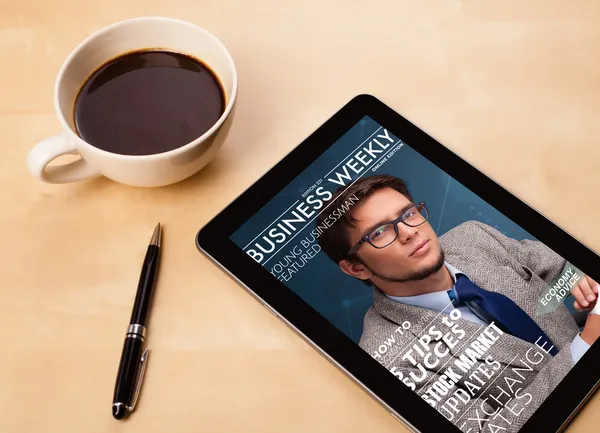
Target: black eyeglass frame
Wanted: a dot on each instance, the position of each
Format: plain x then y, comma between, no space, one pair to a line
394,223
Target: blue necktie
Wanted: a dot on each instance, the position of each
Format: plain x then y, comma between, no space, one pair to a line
502,310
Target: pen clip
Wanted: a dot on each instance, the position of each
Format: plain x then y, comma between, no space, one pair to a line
138,385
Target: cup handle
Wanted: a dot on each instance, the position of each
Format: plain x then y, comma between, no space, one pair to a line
51,148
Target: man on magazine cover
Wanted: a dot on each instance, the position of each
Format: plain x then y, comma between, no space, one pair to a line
455,317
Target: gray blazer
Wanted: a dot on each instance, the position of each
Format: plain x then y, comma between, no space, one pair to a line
523,376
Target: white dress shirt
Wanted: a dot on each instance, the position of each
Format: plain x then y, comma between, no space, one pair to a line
439,301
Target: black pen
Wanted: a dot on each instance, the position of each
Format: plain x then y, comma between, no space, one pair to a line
133,360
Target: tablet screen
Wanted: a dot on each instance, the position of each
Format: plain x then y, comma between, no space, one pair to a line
457,301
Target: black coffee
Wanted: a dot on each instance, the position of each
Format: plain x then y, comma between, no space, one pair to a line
148,102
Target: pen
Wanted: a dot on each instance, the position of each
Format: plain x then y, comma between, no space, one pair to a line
133,357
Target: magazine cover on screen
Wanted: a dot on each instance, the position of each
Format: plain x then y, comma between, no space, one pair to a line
457,301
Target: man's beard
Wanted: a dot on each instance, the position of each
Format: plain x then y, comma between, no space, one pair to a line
414,276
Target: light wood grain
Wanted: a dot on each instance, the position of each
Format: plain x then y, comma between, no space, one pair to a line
511,86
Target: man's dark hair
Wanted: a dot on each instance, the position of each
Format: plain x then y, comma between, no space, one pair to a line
334,240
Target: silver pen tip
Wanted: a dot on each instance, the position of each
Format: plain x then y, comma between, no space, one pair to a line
156,236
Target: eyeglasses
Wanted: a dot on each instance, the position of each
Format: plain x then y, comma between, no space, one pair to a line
386,233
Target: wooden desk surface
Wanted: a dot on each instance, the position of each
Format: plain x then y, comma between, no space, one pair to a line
511,86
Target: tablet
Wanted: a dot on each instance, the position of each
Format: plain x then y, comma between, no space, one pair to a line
452,302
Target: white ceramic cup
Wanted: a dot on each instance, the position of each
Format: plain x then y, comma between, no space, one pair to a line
136,170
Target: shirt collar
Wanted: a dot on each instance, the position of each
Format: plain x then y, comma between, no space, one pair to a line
454,272
437,301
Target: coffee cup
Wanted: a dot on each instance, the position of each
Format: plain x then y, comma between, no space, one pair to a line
144,161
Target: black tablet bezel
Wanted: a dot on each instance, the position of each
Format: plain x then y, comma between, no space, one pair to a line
213,240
